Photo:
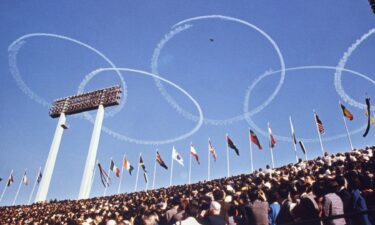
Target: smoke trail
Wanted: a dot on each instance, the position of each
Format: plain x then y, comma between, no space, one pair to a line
16,46
178,28
122,137
288,138
341,65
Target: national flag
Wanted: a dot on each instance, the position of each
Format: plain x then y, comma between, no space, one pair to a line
346,112
160,161
127,166
302,147
369,119
176,156
194,153
114,168
372,120
319,124
232,145
294,139
10,180
145,176
254,139
142,164
39,177
24,179
211,149
106,180
272,138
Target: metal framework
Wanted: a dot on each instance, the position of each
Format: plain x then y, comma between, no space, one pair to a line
86,101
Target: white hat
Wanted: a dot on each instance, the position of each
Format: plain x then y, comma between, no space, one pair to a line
111,222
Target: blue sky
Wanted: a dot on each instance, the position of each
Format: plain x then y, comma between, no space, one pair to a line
217,74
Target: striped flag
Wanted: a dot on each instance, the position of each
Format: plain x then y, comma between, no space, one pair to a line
294,139
142,164
39,177
127,166
24,179
106,180
319,124
232,145
254,139
160,161
115,169
302,147
346,112
145,176
212,150
272,138
369,115
194,153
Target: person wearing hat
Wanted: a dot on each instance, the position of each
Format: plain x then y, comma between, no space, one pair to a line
214,217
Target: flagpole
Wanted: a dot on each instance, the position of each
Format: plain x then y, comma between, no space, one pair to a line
317,129
93,175
227,154
190,163
293,138
108,179
136,178
251,154
346,127
271,148
19,187
208,171
32,191
6,185
153,179
122,171
145,175
170,178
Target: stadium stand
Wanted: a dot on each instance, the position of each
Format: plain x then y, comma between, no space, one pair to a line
332,189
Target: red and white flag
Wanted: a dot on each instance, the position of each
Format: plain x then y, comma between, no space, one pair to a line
194,153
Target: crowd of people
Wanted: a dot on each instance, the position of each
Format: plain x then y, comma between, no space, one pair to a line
314,192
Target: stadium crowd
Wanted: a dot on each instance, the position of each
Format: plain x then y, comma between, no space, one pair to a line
302,193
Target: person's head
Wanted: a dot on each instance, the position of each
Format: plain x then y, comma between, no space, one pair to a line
218,195
284,190
319,188
301,186
176,201
192,210
215,208
253,194
340,181
332,186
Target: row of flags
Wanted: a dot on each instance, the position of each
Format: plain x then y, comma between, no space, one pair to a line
176,156
231,145
24,179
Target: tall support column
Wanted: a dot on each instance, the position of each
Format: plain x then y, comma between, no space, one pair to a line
50,164
86,183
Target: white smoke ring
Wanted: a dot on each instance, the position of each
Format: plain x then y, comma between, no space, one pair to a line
122,137
16,45
178,28
288,138
340,67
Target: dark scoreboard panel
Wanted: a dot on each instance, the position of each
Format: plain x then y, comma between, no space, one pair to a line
87,101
